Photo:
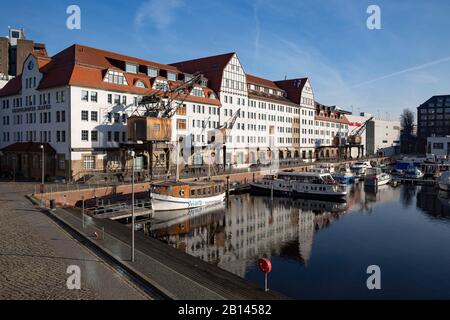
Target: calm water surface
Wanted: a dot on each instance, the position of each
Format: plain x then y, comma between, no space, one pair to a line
321,250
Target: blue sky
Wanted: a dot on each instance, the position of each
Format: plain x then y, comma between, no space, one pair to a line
379,71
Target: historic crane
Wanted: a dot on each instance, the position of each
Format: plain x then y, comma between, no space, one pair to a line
151,121
354,140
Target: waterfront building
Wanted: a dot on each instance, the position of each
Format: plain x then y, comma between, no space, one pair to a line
77,103
14,50
439,147
381,136
433,119
330,128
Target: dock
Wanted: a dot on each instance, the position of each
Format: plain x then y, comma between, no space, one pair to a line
172,273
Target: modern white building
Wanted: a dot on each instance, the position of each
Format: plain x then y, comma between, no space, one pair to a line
380,136
439,147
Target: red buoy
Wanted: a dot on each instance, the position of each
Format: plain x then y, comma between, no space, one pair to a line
265,265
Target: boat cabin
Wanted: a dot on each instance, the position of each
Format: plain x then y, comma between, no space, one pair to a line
201,189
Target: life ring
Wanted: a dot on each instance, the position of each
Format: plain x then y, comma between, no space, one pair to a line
264,265
182,193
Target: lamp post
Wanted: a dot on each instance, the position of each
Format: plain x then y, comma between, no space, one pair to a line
132,154
43,175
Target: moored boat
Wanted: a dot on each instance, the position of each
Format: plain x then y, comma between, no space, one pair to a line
172,195
301,184
360,167
376,177
344,176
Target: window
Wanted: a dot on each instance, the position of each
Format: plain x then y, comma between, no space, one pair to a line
124,100
124,117
151,72
116,136
84,95
117,99
63,136
94,116
63,116
84,135
171,76
115,77
109,136
181,111
131,68
84,115
109,98
116,118
124,136
94,96
139,84
181,124
94,135
89,162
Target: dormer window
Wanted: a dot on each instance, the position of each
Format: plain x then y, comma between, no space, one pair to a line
152,72
140,84
161,85
188,78
213,96
204,83
115,77
131,68
197,92
171,76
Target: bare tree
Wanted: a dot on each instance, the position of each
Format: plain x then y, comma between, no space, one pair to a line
407,120
408,140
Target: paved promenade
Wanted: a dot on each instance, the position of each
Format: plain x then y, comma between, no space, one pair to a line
173,274
35,253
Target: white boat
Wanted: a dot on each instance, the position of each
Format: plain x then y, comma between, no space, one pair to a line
302,184
360,167
376,177
413,173
328,167
444,181
344,176
168,196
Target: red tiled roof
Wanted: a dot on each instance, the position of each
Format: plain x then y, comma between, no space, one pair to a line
86,67
270,97
262,82
211,67
343,120
29,147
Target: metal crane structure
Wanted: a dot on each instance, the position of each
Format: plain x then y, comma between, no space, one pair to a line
354,140
150,125
222,132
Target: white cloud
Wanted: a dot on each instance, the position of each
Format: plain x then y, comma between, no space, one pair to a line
160,12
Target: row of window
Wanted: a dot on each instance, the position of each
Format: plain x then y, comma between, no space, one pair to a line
111,136
31,118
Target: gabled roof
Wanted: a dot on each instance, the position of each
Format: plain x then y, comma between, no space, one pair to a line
293,88
262,82
84,66
211,67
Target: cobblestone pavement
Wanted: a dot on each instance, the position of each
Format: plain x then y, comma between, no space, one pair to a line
35,254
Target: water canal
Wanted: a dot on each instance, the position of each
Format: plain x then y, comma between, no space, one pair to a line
320,249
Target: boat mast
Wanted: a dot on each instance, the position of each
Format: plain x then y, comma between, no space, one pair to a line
177,178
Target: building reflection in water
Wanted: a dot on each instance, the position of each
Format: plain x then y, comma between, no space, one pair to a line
233,238
435,203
